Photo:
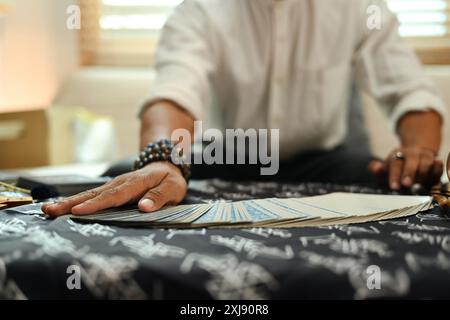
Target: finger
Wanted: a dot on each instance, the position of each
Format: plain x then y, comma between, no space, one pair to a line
167,192
377,167
64,206
130,188
109,198
425,167
436,172
410,167
395,172
46,205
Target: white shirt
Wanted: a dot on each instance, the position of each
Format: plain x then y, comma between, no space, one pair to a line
287,64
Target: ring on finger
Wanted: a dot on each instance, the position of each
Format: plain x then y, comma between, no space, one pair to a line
398,156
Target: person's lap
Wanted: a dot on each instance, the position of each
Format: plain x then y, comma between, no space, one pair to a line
340,165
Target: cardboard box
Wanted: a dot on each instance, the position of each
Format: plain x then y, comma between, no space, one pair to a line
55,136
24,139
36,138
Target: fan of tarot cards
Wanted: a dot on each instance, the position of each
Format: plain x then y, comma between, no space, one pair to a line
330,209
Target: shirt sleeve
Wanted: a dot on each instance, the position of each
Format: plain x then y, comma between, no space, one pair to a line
389,69
183,61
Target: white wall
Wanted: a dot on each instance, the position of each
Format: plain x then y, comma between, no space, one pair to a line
37,52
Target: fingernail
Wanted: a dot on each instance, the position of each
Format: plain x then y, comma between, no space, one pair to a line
395,186
407,181
51,205
147,204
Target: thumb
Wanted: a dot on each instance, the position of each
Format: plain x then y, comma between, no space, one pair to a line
153,200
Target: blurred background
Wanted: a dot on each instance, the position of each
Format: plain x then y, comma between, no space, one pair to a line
74,73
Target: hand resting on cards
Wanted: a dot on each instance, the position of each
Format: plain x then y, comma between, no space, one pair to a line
152,187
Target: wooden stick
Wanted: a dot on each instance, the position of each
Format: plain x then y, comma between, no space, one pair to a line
14,188
441,200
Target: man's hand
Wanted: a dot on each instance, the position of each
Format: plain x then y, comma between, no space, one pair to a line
415,161
156,185
407,166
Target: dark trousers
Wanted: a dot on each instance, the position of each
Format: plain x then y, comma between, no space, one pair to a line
340,165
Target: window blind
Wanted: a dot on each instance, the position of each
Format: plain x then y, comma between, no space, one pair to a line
422,18
122,32
425,24
126,32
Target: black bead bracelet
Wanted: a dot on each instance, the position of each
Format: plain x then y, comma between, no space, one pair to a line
162,151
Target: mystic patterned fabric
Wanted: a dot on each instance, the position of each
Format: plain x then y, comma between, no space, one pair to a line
413,255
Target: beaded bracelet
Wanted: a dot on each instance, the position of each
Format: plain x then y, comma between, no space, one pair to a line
161,151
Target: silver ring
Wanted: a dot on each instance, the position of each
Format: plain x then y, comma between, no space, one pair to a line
398,156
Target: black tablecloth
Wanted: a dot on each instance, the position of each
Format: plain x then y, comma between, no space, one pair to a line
39,257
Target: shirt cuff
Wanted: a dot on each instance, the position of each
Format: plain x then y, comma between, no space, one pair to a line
421,100
189,102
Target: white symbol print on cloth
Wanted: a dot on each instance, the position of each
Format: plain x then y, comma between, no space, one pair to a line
13,227
357,247
442,241
417,262
110,277
414,226
335,264
267,232
232,279
174,232
94,229
432,217
52,244
349,230
146,247
392,285
8,288
253,248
